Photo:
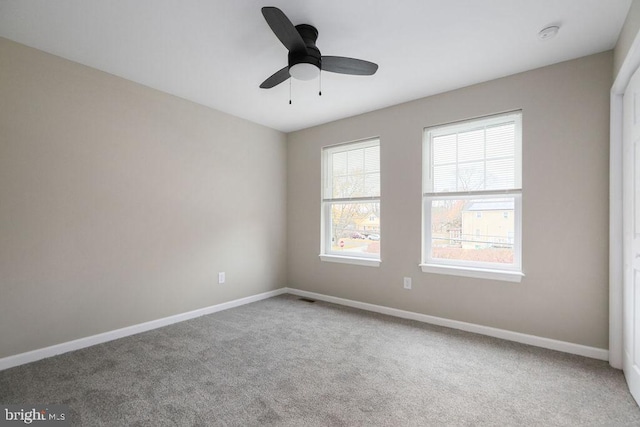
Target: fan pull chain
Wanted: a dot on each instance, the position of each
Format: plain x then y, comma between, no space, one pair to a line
320,83
289,90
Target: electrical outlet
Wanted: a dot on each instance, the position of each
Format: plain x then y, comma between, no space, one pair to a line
221,277
407,282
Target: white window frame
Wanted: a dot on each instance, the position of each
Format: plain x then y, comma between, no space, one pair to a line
326,253
496,271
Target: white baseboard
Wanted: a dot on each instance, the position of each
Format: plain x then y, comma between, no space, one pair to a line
566,347
563,346
32,356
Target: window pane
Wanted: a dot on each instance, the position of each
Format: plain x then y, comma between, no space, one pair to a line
339,162
444,149
500,140
372,159
471,145
471,176
501,174
481,158
477,230
345,186
444,178
354,172
355,161
372,184
355,228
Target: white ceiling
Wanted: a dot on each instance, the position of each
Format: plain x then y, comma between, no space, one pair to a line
217,52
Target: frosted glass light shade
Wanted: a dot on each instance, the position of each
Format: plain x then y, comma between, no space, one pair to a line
304,71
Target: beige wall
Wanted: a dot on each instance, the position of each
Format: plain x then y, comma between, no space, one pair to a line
564,295
627,36
119,204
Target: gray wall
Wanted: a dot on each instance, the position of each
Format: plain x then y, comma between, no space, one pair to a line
564,295
119,204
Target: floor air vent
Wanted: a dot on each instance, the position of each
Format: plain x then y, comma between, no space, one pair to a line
307,299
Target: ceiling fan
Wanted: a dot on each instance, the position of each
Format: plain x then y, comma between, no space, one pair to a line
305,60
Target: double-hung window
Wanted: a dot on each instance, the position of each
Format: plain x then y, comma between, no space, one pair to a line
351,203
472,198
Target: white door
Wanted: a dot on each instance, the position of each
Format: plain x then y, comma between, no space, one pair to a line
631,233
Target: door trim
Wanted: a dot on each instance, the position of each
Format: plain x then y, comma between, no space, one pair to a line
629,66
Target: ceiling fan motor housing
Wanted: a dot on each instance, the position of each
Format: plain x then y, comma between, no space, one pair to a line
312,56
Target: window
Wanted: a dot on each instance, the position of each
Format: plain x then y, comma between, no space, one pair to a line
472,198
351,203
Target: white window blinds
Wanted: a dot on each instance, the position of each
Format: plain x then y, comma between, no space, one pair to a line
353,171
479,159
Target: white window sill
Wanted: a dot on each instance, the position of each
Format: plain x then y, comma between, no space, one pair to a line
369,262
479,273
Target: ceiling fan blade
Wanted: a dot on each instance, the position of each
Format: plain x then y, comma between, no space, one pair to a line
283,29
343,65
276,78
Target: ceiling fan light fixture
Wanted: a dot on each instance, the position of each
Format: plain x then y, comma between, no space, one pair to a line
304,71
